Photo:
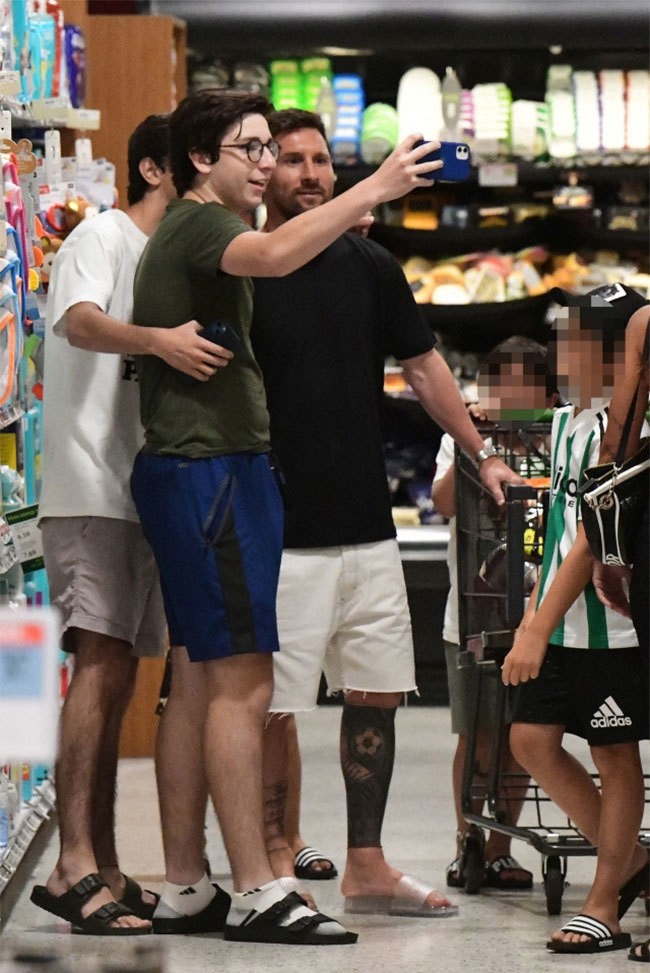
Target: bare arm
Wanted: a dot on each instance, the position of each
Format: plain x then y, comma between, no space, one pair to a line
636,373
302,238
524,660
88,327
443,493
431,380
612,584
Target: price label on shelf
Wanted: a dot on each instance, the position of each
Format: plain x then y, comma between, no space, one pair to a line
26,537
55,111
8,554
86,119
9,82
498,174
29,698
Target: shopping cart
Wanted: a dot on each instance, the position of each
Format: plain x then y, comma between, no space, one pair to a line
499,556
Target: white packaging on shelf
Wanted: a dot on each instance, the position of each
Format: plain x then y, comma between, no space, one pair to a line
29,689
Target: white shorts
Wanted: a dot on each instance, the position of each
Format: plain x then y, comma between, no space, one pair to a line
103,578
342,611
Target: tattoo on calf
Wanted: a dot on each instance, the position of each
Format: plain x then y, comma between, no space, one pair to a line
275,802
367,757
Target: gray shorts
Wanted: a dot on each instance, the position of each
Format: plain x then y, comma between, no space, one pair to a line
462,687
103,578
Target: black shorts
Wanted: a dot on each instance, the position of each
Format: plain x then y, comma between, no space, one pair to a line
600,695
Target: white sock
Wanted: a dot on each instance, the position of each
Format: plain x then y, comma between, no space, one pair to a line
262,898
185,900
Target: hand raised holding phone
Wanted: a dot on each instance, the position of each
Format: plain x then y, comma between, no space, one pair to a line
456,161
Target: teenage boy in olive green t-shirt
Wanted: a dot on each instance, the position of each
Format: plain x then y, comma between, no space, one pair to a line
207,497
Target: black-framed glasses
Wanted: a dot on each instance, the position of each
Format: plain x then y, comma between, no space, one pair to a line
254,148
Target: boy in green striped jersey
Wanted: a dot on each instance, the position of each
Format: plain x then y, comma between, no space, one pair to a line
561,687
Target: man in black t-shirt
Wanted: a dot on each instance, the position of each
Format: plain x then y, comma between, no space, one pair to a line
321,336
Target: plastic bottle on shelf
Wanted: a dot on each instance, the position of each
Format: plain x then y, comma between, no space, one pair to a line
451,100
326,106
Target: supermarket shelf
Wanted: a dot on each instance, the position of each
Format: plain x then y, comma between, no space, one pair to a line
446,241
531,173
49,113
35,826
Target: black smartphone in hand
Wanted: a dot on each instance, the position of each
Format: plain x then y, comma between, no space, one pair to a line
221,334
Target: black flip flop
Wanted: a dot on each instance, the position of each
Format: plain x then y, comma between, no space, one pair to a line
495,879
68,906
304,866
601,938
453,875
640,952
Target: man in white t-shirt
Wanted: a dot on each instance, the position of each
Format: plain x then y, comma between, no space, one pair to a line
102,574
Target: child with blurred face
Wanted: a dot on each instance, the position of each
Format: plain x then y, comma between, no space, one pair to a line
563,685
514,384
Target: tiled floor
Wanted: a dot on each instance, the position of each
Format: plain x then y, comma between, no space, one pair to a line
494,932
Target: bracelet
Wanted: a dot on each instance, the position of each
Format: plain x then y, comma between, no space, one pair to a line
485,453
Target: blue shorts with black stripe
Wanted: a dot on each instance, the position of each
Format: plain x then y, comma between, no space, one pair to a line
215,526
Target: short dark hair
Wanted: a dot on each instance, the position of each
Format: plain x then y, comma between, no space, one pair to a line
602,327
150,140
199,123
521,349
292,120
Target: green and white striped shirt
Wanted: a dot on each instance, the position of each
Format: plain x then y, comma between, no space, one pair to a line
575,444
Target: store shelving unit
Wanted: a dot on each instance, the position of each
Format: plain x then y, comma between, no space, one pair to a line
136,66
33,829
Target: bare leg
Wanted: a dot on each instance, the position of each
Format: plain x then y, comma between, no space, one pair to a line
513,793
294,782
292,812
457,775
239,691
539,749
567,783
180,771
102,678
103,815
367,757
276,788
276,771
498,844
103,818
622,801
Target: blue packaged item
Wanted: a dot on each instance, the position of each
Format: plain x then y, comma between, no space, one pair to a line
40,773
75,62
42,46
30,423
349,91
26,776
21,48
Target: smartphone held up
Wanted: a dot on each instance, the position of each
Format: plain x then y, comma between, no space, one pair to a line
456,158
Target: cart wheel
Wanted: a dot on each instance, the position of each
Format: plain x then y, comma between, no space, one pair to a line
553,885
473,868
